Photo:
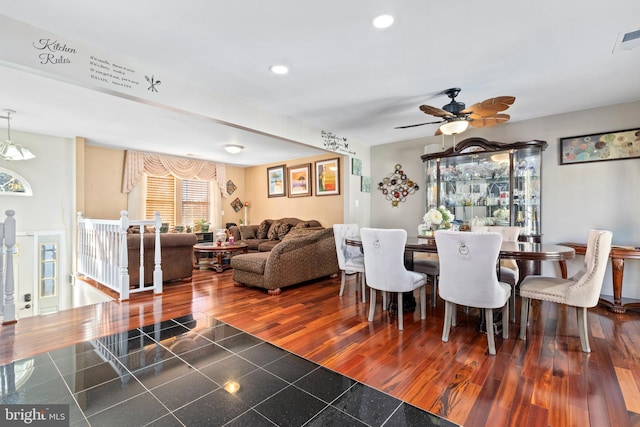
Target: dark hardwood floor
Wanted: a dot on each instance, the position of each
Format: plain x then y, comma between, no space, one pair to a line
545,381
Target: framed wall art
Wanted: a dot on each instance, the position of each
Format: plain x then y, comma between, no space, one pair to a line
231,187
276,181
365,184
618,145
327,177
299,179
237,205
356,166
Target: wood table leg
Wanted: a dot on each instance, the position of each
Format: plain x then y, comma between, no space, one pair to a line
563,269
617,273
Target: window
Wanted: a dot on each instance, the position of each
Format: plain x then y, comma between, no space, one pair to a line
195,201
180,202
161,198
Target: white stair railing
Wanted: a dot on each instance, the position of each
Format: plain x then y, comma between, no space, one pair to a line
103,253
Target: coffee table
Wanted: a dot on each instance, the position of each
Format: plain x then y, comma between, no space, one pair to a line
222,252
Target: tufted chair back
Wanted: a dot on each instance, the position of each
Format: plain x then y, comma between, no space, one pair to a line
585,292
582,290
468,262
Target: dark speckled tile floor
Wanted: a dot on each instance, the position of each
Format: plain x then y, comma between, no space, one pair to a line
188,372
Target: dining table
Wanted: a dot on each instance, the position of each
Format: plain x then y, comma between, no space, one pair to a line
519,251
526,254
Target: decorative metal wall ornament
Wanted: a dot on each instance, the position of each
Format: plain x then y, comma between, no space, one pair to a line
397,186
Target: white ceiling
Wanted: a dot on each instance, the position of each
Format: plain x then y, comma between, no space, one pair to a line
346,76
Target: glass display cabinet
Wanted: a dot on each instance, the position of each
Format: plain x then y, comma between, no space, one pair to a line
488,183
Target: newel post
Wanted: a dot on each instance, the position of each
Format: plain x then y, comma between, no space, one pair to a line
9,290
157,269
123,274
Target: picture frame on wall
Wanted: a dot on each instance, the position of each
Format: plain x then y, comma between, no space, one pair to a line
617,145
365,184
276,181
356,166
327,177
299,179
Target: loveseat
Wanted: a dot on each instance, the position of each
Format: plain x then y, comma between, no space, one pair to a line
177,256
299,257
264,236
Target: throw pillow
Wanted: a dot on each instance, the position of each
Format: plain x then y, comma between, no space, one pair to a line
273,230
283,229
263,229
247,232
302,224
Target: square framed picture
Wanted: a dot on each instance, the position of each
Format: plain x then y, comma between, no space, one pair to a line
327,177
299,178
237,205
276,181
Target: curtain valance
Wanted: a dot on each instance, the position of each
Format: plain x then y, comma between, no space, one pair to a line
138,163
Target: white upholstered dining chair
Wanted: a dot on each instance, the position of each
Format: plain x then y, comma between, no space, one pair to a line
350,258
385,270
581,291
468,277
509,271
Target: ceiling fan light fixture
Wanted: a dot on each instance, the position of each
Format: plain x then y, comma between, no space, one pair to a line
234,148
454,127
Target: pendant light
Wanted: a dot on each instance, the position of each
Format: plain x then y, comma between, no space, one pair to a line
9,150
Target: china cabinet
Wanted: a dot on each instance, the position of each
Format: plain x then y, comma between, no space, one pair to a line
488,183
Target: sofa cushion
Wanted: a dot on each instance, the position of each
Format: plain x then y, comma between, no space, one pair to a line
267,245
254,244
263,229
253,263
274,230
247,232
283,230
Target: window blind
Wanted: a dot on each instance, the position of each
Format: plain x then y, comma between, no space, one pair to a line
161,198
195,201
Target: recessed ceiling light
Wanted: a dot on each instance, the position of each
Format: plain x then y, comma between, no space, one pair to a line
279,69
383,21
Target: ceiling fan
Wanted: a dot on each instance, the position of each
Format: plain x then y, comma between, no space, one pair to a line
456,118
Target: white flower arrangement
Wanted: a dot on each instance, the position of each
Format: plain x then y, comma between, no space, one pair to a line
437,216
501,214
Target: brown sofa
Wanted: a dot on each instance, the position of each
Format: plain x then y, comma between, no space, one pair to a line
176,251
300,256
264,236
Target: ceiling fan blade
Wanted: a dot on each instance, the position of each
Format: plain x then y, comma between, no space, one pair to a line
483,122
434,111
419,124
490,106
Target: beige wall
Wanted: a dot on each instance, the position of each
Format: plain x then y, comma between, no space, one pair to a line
328,210
103,169
237,175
